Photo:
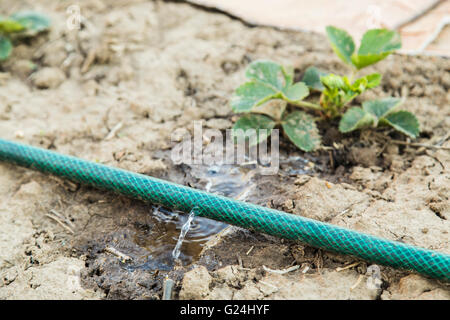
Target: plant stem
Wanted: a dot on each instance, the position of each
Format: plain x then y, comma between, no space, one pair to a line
352,76
307,105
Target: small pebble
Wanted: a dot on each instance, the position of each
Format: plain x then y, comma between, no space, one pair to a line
19,134
48,78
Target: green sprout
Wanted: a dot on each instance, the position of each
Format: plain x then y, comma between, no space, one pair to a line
25,24
270,89
271,81
338,92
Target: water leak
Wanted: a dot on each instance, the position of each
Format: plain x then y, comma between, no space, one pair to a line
175,238
226,180
161,248
158,242
294,165
166,238
184,230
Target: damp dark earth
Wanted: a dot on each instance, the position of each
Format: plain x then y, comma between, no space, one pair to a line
114,92
149,249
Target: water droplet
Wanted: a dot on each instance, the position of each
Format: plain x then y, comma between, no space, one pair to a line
184,230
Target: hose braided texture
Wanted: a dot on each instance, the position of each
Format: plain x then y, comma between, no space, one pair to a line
242,214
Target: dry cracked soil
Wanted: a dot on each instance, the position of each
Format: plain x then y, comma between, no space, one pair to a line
115,90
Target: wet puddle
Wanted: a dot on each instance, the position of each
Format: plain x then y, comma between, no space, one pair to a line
157,240
159,246
178,237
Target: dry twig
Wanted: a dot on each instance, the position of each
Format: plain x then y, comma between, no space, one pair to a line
293,268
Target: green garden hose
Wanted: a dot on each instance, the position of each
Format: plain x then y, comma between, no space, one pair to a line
242,214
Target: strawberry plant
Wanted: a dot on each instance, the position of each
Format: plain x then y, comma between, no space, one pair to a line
270,88
23,24
271,81
337,92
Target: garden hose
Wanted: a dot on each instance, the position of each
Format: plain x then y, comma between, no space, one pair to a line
242,214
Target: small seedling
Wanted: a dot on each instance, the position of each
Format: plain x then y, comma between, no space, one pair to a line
21,24
271,82
337,92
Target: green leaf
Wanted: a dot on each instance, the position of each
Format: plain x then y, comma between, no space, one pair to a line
367,82
257,122
273,108
301,130
332,81
288,72
268,80
380,108
312,78
251,94
355,118
376,45
378,41
10,26
341,42
360,85
5,48
403,121
339,91
32,21
270,74
334,95
296,92
373,80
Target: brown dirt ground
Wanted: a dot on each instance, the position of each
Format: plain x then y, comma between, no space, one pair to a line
155,67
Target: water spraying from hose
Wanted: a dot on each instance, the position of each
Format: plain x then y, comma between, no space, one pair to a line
184,230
